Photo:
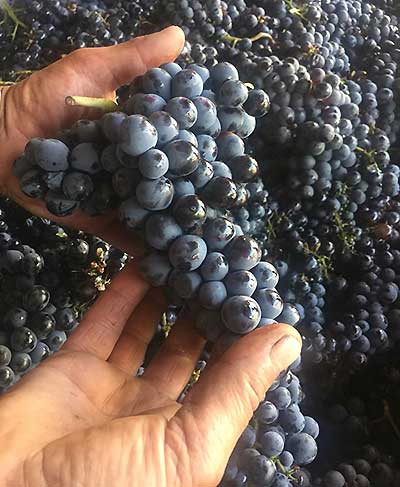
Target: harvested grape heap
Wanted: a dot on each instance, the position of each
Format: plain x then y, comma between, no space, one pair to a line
39,307
303,205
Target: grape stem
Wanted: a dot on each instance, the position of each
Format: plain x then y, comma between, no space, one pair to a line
9,12
369,155
103,104
389,417
235,40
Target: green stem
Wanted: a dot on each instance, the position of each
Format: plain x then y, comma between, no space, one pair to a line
9,12
103,104
389,417
235,40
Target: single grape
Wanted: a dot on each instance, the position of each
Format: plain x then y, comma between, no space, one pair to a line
190,211
183,111
21,362
248,126
212,294
240,283
229,145
166,126
5,356
184,158
220,192
40,352
187,83
15,317
218,233
171,68
77,186
153,164
66,319
266,274
257,104
137,135
272,444
233,93
32,184
215,267
155,194
303,448
56,340
7,377
59,205
23,340
42,324
183,187
202,175
241,314
221,169
207,147
36,299
85,157
289,315
280,397
292,420
281,480
243,253
311,427
161,230
261,470
206,114
187,253
270,302
158,81
48,154
111,125
267,413
144,104
244,168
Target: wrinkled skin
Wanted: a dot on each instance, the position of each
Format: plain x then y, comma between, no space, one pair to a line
82,418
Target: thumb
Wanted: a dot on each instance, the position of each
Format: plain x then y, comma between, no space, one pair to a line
107,68
222,403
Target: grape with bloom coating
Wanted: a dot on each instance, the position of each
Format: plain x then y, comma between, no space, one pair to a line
241,314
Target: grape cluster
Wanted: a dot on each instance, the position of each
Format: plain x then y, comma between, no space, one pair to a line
278,440
162,155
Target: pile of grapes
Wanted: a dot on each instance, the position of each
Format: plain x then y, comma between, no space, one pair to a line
261,169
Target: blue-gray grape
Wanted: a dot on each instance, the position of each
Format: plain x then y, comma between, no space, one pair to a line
187,253
241,314
137,135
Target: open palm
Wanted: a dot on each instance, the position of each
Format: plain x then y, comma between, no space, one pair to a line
83,418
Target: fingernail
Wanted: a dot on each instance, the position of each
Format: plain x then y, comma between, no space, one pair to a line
286,350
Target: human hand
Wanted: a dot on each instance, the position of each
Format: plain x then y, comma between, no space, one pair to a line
82,418
35,107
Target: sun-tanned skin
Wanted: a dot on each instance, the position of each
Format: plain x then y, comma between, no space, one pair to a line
82,418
